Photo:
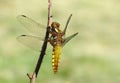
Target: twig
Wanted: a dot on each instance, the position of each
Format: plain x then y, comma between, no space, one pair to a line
49,13
34,76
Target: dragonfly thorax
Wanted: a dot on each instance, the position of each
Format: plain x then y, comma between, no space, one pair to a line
56,34
56,39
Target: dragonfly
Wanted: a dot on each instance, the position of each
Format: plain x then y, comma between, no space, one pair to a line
56,39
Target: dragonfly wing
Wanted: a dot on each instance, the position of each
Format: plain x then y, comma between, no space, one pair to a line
31,25
32,42
64,31
68,38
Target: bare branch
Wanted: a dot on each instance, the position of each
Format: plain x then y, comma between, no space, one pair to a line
49,13
34,76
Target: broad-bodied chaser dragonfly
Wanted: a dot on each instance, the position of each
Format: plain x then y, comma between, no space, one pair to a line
57,37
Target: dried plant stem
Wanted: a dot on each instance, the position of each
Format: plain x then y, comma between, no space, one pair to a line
49,13
34,76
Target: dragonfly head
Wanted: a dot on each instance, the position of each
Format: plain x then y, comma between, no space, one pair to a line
56,26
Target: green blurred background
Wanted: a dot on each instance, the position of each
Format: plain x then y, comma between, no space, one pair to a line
93,56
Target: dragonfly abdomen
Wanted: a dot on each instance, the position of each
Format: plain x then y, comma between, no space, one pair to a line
56,57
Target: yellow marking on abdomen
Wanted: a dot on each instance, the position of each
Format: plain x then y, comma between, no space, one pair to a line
56,57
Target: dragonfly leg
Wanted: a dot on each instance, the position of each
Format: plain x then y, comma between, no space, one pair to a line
50,40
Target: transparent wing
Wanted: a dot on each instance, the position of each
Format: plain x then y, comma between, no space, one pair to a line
64,31
32,42
32,26
68,38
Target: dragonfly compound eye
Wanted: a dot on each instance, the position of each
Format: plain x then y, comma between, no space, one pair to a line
55,24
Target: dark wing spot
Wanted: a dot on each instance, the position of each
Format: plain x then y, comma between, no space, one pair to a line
23,35
23,15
